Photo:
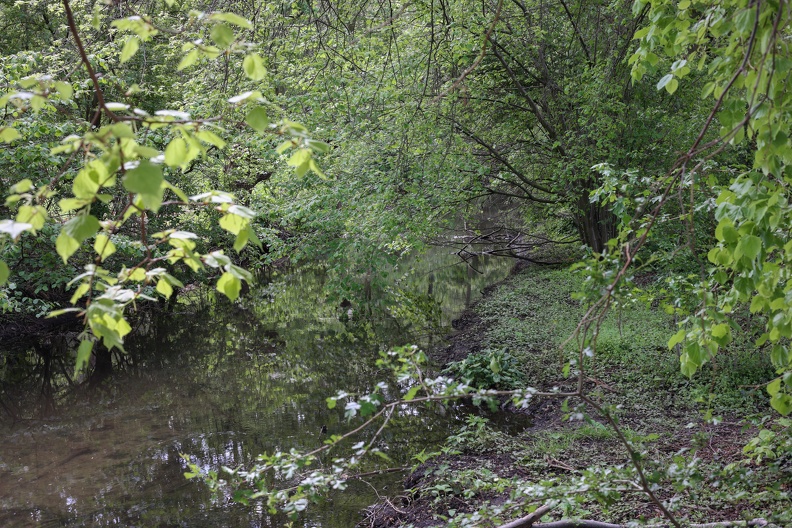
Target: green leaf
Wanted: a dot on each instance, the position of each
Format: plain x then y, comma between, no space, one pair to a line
188,60
83,356
58,313
774,387
164,288
222,35
33,215
726,232
233,223
782,403
240,273
257,119
301,170
211,138
103,246
70,204
780,356
241,240
676,339
96,19
286,145
22,186
146,152
495,365
721,334
230,286
146,178
745,19
123,130
693,357
672,86
176,152
147,181
299,157
73,233
66,246
211,52
137,275
81,290
411,393
4,272
65,90
232,18
316,170
88,181
81,227
253,66
38,102
8,134
750,246
131,46
318,146
178,192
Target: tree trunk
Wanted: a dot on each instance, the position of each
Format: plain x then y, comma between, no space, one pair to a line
594,223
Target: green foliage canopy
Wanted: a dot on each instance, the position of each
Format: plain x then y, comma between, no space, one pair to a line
119,167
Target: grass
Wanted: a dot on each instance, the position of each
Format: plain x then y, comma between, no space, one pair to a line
533,314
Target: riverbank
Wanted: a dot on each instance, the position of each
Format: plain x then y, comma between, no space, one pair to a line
697,427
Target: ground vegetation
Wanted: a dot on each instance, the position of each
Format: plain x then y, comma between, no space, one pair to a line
150,145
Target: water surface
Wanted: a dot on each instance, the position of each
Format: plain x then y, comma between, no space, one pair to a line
224,382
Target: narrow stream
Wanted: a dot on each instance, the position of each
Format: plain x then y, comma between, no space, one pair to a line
224,382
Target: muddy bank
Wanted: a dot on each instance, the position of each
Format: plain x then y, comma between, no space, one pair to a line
470,328
417,505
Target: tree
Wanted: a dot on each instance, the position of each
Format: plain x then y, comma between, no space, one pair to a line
117,166
513,99
736,53
741,47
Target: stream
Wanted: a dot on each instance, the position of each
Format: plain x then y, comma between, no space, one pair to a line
223,382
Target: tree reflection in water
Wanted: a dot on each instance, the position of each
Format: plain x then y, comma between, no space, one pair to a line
221,383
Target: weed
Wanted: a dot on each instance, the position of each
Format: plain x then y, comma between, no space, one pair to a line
490,369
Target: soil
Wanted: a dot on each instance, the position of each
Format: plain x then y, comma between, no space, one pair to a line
417,508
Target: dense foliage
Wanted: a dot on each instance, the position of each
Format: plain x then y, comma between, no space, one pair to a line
654,134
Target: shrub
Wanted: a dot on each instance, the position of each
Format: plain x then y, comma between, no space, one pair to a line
489,369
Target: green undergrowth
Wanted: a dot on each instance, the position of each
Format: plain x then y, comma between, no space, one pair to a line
690,433
533,315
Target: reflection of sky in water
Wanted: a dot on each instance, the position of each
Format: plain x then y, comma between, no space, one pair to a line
222,385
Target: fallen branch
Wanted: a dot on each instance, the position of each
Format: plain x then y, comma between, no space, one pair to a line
529,521
598,524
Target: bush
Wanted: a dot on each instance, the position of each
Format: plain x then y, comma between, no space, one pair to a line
490,369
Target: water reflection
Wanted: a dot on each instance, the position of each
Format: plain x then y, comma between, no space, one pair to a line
223,383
